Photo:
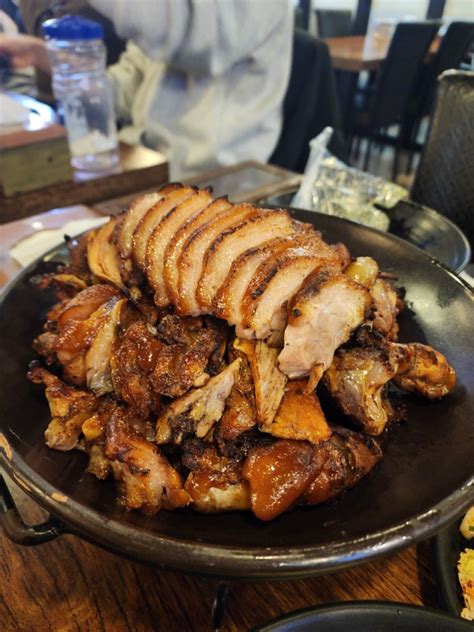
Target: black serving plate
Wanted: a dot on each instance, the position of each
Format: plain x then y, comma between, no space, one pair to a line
424,481
366,616
448,545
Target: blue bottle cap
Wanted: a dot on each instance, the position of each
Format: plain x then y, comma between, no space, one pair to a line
72,27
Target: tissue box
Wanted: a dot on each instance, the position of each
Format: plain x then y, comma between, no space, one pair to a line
31,160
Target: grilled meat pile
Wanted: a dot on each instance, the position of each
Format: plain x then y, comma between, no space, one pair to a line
189,346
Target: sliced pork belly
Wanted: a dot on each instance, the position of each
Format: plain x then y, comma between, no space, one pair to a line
227,303
128,223
176,245
321,316
238,238
131,218
102,256
152,219
163,234
192,255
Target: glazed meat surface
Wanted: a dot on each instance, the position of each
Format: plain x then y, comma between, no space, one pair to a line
188,340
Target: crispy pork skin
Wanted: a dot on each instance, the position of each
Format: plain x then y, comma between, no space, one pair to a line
356,381
321,316
278,475
425,371
152,218
191,260
176,245
69,406
230,244
197,411
346,458
163,234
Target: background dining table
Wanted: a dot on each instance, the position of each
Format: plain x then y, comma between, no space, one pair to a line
358,53
69,584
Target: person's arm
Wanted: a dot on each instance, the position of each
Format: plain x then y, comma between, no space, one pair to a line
24,51
126,76
200,37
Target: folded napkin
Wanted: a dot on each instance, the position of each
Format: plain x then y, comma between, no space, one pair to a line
12,112
33,246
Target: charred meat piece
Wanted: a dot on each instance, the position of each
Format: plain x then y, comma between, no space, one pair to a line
69,406
387,304
278,475
425,371
239,416
176,329
300,415
357,380
176,245
78,265
145,478
194,249
102,255
269,381
229,245
65,285
181,366
134,358
321,316
215,482
346,458
163,234
197,411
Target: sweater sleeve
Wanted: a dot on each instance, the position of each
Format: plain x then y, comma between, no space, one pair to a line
126,76
198,37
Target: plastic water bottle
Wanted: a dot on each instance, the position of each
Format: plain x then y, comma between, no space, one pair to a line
80,84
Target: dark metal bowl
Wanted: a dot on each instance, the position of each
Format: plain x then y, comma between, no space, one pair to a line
424,481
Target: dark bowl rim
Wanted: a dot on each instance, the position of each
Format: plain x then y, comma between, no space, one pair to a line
348,607
223,560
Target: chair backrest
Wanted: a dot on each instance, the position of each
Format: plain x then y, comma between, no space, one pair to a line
311,103
445,176
362,16
333,22
435,9
401,70
454,45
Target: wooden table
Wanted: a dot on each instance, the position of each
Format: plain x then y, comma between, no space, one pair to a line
358,53
70,585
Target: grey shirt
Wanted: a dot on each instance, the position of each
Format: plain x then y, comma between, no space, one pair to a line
203,81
